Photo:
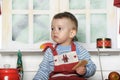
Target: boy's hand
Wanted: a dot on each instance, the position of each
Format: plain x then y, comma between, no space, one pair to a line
80,67
81,70
80,63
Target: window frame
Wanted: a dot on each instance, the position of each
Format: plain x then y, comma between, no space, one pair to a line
111,21
7,17
59,6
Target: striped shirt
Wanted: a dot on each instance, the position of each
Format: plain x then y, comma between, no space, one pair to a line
47,64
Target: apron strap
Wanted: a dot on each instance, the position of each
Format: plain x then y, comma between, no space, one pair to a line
73,47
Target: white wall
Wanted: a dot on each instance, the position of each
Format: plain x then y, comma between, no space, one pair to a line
31,63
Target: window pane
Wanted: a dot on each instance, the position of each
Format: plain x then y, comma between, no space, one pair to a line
81,34
20,28
98,4
98,26
76,4
41,4
20,4
41,28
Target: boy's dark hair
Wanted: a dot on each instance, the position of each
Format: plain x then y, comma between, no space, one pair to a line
69,16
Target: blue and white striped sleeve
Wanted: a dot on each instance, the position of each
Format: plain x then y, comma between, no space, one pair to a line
44,67
84,54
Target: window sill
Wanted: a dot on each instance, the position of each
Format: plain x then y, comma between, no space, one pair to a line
14,52
38,51
104,51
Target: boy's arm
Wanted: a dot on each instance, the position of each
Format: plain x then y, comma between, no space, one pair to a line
83,54
44,68
90,66
90,69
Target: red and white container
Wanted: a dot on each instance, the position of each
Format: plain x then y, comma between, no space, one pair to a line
103,43
9,74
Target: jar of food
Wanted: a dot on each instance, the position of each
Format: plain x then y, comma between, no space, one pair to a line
103,43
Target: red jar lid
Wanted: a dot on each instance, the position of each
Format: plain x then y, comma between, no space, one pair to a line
103,43
9,74
8,70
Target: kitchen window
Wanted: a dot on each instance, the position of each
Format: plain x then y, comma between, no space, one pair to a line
27,22
96,18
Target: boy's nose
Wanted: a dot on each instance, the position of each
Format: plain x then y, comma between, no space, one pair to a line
54,31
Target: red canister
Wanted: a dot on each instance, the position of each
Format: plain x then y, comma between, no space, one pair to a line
9,74
103,43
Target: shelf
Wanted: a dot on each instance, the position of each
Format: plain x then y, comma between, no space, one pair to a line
14,51
105,51
24,52
38,51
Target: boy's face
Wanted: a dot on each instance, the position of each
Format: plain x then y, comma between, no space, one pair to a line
62,31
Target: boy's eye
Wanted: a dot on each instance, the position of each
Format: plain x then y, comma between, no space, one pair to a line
52,29
59,28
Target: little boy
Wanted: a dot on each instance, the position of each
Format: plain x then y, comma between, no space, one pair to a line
60,58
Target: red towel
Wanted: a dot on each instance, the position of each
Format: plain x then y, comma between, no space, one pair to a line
0,9
117,3
119,26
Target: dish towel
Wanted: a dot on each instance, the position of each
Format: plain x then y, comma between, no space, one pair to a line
0,8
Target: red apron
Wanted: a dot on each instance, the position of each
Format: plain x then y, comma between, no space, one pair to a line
63,65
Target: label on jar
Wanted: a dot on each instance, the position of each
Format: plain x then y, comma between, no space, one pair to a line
6,78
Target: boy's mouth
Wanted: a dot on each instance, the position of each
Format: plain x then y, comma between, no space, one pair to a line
55,36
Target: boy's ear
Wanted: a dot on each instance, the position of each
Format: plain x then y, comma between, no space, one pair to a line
72,33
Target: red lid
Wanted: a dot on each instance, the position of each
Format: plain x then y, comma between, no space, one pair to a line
8,70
